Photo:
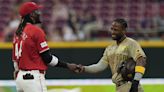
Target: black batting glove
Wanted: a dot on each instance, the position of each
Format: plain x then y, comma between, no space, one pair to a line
134,87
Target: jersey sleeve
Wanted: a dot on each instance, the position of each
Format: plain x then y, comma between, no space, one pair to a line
136,51
40,39
104,58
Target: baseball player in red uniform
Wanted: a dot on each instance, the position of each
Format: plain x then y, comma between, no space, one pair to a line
31,54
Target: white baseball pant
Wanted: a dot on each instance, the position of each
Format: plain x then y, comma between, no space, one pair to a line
31,85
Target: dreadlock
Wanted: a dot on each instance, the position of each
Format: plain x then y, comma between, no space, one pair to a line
23,23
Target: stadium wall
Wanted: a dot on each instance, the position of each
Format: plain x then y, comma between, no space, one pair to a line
86,53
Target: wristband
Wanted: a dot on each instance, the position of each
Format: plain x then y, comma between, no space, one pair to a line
140,69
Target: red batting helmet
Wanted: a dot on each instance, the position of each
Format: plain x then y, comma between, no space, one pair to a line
27,8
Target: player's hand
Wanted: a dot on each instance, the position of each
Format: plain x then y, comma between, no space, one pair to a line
79,69
134,87
75,68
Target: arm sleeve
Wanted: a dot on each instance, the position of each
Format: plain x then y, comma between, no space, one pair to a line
52,60
46,56
136,51
100,66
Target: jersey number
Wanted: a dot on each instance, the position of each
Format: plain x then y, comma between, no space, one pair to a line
18,51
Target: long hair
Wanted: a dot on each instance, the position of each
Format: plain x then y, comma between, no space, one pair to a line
22,24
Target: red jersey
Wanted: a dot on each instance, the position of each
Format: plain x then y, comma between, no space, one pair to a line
27,48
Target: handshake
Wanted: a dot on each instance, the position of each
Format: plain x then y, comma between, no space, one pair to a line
77,68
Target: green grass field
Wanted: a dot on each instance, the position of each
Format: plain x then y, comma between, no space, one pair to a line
86,85
109,88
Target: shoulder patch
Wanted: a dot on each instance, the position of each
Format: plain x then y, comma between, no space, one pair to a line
43,44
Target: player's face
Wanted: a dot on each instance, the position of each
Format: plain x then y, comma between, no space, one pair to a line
36,16
116,31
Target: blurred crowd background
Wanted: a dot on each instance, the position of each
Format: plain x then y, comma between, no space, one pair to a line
85,20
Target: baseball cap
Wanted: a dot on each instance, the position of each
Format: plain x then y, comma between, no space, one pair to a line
28,7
